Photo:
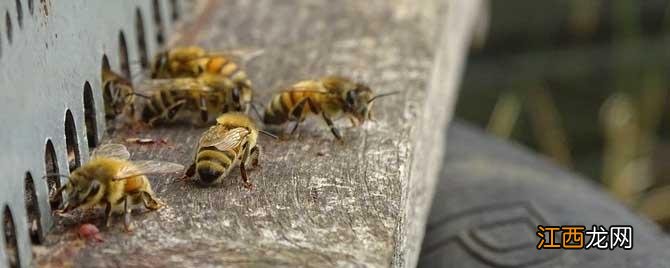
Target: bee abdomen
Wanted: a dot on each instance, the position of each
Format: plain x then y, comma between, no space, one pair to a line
212,164
209,175
277,111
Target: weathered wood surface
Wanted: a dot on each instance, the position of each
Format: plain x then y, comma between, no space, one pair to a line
316,202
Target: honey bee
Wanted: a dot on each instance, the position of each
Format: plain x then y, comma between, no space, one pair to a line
329,97
193,61
118,94
109,179
230,143
177,62
195,99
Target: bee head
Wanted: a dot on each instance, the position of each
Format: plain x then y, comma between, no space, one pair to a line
77,189
118,97
111,92
108,95
357,102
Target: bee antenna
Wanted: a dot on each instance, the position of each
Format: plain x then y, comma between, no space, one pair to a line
253,107
384,95
139,95
268,134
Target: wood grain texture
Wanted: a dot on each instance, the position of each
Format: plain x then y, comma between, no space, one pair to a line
461,22
316,202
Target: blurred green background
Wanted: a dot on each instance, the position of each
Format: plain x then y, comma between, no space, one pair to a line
584,82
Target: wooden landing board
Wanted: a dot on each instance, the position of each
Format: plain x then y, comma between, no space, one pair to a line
316,202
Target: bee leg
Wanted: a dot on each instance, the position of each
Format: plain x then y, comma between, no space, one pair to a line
353,122
245,178
126,215
370,117
333,129
128,108
174,108
169,112
254,156
131,110
189,172
152,121
108,214
295,127
150,202
204,114
296,114
316,109
243,170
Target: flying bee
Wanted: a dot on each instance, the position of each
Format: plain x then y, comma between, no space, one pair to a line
109,179
196,99
118,94
329,97
230,143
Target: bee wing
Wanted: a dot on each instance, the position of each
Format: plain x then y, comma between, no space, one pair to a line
147,167
223,139
241,55
151,85
188,84
305,89
111,150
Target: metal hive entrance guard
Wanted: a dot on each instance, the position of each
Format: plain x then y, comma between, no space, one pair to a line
51,55
315,202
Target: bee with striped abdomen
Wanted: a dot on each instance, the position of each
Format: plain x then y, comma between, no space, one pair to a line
230,143
195,99
193,61
177,62
329,97
109,179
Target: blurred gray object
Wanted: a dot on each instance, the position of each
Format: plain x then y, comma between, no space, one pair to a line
492,195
